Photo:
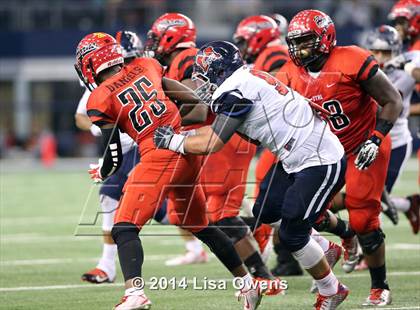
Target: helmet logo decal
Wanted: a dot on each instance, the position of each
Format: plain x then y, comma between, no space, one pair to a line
205,59
166,23
86,50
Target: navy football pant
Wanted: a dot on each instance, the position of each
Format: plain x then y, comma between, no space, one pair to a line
297,199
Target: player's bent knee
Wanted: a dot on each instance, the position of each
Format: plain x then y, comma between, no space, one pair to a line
124,232
264,214
371,241
293,236
234,227
310,255
363,220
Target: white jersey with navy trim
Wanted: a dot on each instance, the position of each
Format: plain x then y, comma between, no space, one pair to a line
405,84
126,142
285,124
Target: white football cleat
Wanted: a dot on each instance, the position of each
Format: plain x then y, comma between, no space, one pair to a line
331,302
188,258
252,297
352,253
135,301
378,297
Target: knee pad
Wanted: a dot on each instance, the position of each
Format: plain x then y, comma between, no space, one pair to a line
108,206
323,222
309,255
124,232
294,234
371,241
234,227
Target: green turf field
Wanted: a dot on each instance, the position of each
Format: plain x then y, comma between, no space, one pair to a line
42,259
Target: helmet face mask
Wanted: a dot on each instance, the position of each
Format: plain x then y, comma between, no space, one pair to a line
204,89
303,49
317,29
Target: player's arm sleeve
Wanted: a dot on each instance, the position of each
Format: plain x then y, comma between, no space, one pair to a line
231,103
359,64
113,155
81,107
99,110
224,126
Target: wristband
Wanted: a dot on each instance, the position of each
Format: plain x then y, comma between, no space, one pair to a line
177,143
383,127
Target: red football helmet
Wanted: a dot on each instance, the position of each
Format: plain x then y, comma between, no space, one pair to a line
409,10
169,32
96,52
253,34
310,29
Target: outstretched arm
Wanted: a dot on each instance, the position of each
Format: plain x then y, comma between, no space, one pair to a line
181,94
204,140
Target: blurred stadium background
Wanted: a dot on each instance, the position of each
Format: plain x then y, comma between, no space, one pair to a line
39,89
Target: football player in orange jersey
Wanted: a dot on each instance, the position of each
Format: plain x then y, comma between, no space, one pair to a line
347,81
171,40
111,190
224,175
137,99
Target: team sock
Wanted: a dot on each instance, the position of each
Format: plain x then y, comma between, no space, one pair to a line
343,229
107,261
378,276
257,267
328,285
194,246
402,204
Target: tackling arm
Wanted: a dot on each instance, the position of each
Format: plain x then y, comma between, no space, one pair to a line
181,94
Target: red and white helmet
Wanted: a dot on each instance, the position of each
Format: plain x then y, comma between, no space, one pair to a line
169,32
253,34
96,52
313,25
409,10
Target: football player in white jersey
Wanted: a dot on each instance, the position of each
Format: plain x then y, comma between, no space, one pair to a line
385,45
312,165
110,191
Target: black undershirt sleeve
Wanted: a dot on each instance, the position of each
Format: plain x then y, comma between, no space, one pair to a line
225,126
113,152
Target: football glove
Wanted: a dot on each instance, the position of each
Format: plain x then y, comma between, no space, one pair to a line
166,138
204,93
367,153
95,172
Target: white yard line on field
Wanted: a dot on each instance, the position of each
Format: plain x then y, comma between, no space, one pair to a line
57,261
76,286
393,308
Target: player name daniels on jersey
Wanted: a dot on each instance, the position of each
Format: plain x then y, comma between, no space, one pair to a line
124,80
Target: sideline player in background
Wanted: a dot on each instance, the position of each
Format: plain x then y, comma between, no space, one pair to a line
111,190
385,44
171,40
312,164
137,99
347,81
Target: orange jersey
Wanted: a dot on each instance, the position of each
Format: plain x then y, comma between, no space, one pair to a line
181,67
337,89
134,100
272,58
